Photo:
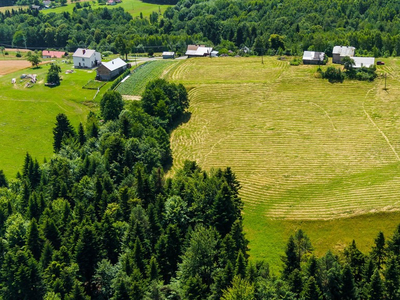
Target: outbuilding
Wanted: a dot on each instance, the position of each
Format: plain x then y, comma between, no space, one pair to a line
168,55
360,62
109,70
52,54
86,58
198,51
341,51
313,58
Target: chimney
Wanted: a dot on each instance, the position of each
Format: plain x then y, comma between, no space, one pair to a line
84,51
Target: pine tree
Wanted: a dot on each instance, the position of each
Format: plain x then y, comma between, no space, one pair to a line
375,287
379,250
3,180
392,282
240,266
81,135
290,259
46,255
153,271
348,290
63,129
86,254
77,293
311,290
33,240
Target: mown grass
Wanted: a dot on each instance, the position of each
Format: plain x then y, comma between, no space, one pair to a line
27,115
145,73
308,153
134,7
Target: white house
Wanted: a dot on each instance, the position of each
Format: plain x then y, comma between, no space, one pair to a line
86,58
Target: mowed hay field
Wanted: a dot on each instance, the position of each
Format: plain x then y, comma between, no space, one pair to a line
309,154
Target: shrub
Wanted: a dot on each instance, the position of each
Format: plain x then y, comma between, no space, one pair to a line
333,74
18,55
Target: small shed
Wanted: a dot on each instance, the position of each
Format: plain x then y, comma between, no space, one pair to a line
363,62
214,53
313,58
109,70
168,55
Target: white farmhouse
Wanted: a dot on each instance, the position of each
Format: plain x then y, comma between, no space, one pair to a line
86,58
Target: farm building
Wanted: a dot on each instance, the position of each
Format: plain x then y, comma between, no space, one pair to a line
52,54
363,62
198,51
86,58
110,70
168,55
313,58
214,53
341,51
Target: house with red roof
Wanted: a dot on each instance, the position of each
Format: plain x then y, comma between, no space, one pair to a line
52,54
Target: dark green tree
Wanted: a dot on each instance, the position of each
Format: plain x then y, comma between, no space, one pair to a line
111,105
61,131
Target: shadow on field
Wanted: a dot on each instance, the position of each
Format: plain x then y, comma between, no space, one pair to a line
185,117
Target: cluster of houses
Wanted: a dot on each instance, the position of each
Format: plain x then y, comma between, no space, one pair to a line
338,53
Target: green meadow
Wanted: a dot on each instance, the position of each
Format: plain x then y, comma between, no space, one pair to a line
309,154
134,7
28,114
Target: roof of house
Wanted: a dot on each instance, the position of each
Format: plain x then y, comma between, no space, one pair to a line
84,53
198,50
168,53
57,54
313,55
344,50
363,62
114,64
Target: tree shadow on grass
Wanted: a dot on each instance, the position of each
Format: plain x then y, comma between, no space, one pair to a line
183,119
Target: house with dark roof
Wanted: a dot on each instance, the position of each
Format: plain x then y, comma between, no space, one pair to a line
110,70
313,58
86,58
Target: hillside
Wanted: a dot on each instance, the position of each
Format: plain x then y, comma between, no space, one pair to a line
308,153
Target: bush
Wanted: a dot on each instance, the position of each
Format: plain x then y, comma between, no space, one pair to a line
296,61
18,55
333,74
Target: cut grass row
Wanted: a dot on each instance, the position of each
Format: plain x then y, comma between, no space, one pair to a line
303,149
138,80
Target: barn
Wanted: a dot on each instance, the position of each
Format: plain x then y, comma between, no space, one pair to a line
109,70
198,51
313,58
360,62
341,51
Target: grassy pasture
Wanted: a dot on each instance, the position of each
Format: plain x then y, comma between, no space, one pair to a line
27,115
309,154
134,7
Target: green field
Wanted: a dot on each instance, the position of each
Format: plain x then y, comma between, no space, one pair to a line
134,7
137,81
27,115
309,154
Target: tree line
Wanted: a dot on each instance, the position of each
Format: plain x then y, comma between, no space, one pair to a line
263,26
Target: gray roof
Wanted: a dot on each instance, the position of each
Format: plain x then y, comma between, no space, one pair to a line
363,61
84,53
168,53
114,64
313,55
344,50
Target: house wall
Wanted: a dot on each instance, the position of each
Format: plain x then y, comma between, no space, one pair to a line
105,74
168,56
80,62
312,62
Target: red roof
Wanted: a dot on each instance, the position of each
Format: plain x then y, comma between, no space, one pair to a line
56,54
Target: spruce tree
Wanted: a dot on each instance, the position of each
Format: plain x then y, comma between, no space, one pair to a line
33,240
63,129
348,290
375,287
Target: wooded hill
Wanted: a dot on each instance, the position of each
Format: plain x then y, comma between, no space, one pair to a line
265,26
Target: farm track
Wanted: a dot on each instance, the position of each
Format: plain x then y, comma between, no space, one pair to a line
303,149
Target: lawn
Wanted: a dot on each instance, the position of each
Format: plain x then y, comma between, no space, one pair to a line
27,115
309,154
134,7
